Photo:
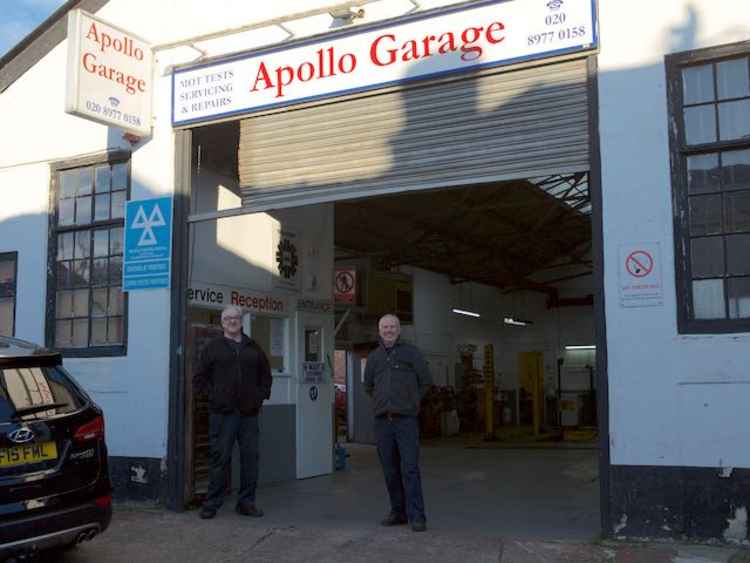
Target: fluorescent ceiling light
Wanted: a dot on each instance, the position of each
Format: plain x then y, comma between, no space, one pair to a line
467,313
515,322
586,347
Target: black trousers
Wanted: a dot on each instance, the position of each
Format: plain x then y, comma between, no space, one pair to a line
224,430
397,439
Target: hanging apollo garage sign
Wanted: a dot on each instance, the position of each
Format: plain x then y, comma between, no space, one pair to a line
110,74
421,46
286,257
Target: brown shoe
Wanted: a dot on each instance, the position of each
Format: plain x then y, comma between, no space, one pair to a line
249,510
394,519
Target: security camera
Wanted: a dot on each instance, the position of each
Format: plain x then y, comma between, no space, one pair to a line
347,13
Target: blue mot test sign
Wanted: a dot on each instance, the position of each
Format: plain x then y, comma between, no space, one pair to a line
148,244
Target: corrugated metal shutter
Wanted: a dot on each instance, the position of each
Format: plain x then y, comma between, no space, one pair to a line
482,128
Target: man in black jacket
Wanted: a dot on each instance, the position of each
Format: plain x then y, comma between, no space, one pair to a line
397,377
237,376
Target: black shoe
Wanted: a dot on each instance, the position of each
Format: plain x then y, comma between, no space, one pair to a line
247,509
418,526
207,513
394,519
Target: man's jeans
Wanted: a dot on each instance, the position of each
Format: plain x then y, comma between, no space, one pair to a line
223,430
397,439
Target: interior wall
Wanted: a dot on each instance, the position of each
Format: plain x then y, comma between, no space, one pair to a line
438,331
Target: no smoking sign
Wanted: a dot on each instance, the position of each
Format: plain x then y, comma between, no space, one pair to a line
640,275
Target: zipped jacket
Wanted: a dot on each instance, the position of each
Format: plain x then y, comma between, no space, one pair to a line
396,378
235,380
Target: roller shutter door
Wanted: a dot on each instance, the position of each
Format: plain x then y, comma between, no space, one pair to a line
486,127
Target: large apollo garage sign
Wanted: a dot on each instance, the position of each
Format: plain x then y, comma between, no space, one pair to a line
110,74
486,35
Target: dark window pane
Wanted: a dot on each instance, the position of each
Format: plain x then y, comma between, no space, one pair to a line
115,240
705,215
68,183
99,274
7,277
120,176
101,207
83,244
707,257
64,305
739,298
81,270
101,242
703,173
98,332
118,205
6,317
734,120
99,302
708,299
737,211
700,125
116,301
85,182
738,254
83,210
115,269
66,211
732,79
735,169
65,246
115,330
103,179
63,334
65,274
80,333
698,84
81,303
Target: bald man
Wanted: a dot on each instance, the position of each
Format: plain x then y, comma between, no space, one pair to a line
396,377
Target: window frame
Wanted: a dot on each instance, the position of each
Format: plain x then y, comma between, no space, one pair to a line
13,256
110,158
679,151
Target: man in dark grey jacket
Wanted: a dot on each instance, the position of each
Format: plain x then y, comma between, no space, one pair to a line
397,377
236,374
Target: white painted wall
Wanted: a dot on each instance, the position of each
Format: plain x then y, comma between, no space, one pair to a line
660,412
437,331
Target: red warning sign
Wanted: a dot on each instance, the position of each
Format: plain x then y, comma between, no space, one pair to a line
639,263
345,284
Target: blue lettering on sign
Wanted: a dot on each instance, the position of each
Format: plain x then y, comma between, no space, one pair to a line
314,393
148,244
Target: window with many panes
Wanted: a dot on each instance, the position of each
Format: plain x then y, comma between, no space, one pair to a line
8,277
710,106
90,308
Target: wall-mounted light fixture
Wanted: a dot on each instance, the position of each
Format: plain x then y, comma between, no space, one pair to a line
345,15
467,313
581,347
516,322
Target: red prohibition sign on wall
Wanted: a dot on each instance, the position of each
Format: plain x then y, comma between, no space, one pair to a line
639,263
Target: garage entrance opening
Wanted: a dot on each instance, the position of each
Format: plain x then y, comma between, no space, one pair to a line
463,205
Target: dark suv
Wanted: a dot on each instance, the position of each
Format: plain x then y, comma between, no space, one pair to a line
54,480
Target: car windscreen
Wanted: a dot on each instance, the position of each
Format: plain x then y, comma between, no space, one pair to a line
31,393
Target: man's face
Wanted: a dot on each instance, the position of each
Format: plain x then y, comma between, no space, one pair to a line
389,329
231,322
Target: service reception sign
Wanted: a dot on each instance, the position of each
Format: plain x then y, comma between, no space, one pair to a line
110,74
492,34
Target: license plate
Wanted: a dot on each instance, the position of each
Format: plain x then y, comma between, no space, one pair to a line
27,454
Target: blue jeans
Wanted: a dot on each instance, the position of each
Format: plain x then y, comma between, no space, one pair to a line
223,430
397,439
